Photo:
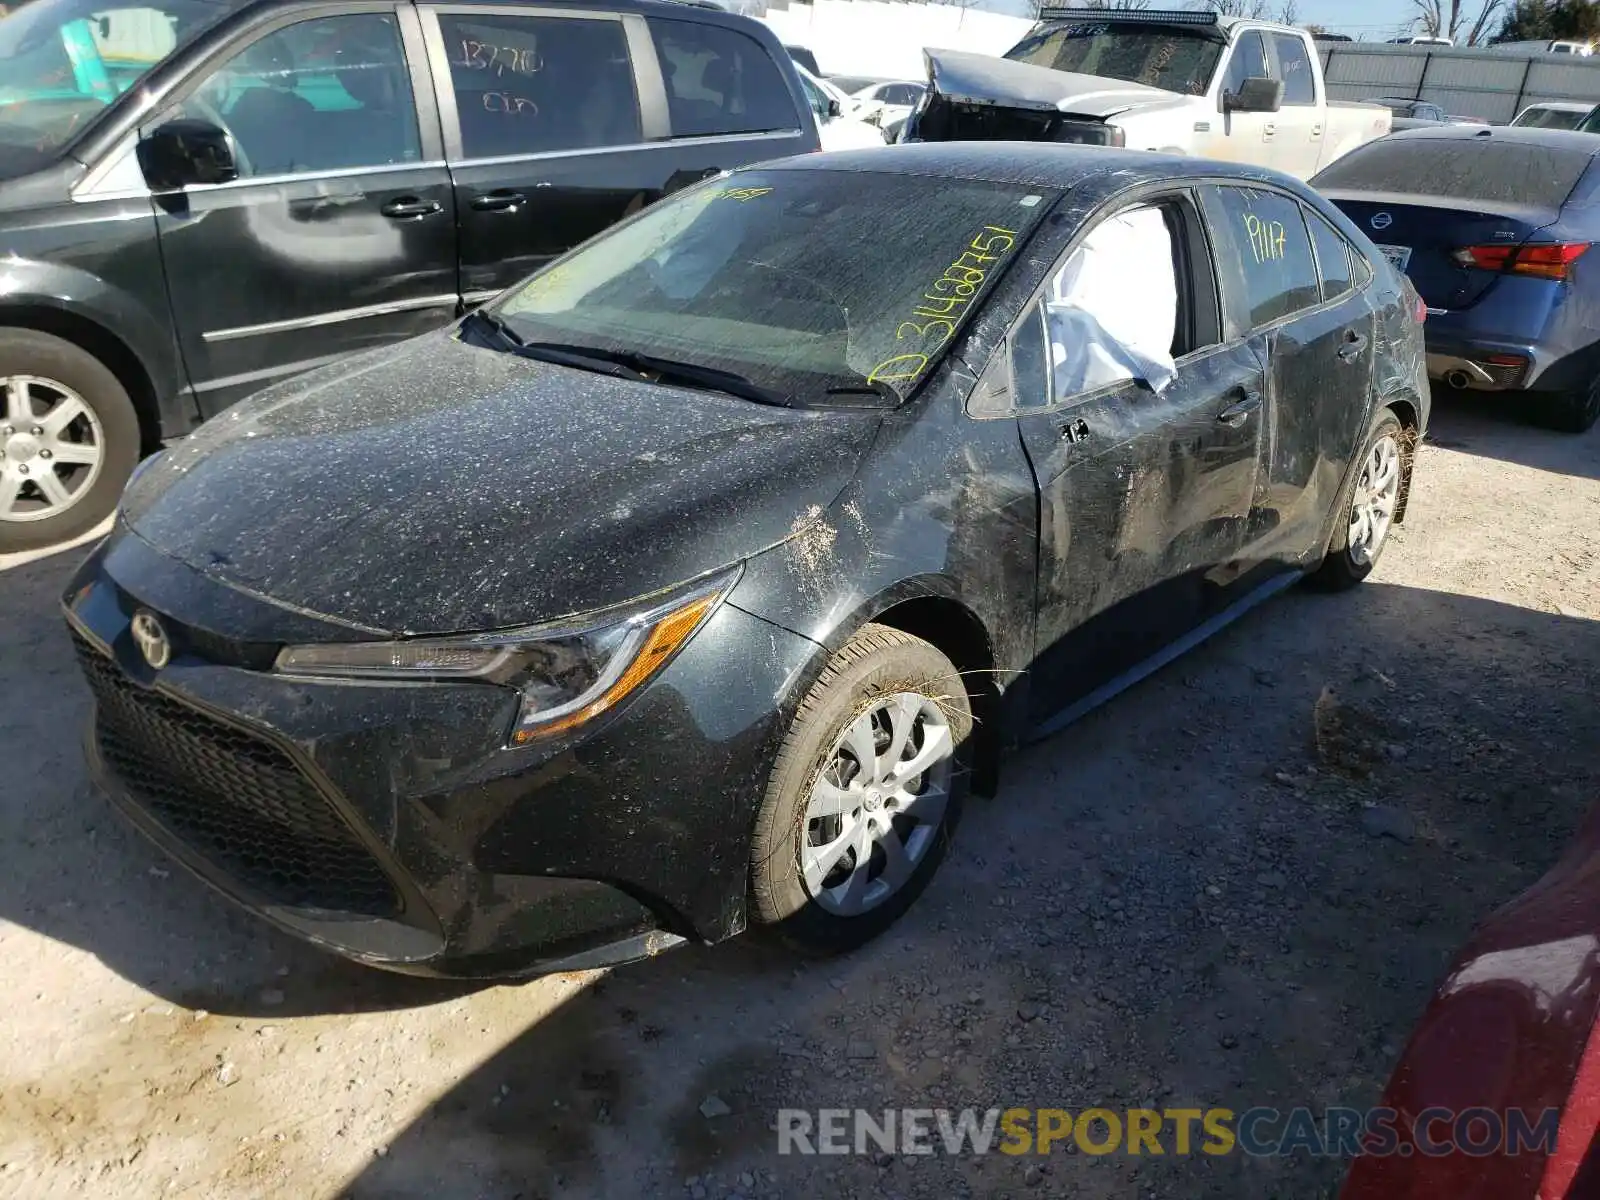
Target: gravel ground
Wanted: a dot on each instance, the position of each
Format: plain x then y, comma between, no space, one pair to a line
1236,885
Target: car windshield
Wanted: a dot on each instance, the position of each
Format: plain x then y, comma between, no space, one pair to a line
1550,118
801,281
63,61
1173,58
1466,168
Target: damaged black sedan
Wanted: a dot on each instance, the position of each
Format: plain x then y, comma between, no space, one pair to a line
694,583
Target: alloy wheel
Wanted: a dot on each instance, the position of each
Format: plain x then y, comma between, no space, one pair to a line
1376,498
877,806
51,448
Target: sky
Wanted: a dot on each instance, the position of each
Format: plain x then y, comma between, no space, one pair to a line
1376,19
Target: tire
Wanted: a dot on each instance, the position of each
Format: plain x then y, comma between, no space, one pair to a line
59,373
1345,564
881,681
1575,411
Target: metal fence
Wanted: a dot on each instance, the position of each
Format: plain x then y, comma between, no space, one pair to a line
1492,84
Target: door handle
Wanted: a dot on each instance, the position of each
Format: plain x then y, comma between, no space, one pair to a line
1316,131
409,208
500,200
1268,131
1237,413
1354,345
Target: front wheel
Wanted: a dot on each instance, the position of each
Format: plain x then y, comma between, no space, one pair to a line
865,793
69,439
1367,507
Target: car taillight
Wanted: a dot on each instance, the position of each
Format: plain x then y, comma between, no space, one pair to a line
1421,310
1541,262
1118,136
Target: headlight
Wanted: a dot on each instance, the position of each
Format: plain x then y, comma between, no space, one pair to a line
568,673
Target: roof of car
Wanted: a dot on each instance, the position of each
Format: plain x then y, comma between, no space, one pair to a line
1522,135
1561,106
1038,164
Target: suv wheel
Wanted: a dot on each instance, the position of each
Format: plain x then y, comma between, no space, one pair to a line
1575,411
864,795
69,439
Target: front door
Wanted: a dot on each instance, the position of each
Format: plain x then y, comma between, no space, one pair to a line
1145,493
560,122
339,233
1295,289
1244,137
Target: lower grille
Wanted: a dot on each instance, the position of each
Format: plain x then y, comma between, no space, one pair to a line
237,799
1505,376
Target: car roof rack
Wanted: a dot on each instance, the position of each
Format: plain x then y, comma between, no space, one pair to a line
1171,16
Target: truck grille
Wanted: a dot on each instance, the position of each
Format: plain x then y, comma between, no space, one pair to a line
234,797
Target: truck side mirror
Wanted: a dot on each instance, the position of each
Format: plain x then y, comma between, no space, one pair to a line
1255,94
187,151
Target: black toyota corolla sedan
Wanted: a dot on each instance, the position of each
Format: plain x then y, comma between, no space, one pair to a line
693,583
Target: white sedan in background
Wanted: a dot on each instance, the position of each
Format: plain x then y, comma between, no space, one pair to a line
838,126
887,104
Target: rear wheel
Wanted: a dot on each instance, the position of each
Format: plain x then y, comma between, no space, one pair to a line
69,439
1367,509
1574,411
865,793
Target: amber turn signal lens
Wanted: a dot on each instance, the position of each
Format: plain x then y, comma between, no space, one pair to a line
665,639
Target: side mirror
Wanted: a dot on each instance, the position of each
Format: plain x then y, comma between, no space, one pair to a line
834,108
186,151
1256,94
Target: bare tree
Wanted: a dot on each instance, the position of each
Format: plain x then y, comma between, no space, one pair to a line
1256,9
1289,14
1453,19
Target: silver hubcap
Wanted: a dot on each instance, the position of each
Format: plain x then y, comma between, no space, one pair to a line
1377,496
51,448
878,803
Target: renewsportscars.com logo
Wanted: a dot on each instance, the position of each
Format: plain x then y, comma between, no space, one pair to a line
1258,1132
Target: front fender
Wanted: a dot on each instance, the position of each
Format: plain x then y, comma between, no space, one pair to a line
60,296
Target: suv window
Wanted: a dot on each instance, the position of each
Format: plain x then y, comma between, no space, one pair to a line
327,94
1334,257
1299,84
530,85
1249,62
1265,235
720,81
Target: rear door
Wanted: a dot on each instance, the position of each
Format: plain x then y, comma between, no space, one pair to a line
1448,210
1145,495
1297,147
1293,289
559,122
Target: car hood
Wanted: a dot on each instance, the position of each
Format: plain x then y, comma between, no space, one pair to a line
438,487
963,77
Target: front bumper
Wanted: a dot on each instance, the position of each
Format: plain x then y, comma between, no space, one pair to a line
387,822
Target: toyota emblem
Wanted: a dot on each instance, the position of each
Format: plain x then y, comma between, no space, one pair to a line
151,639
1382,221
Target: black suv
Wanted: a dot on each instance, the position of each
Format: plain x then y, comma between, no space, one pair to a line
200,197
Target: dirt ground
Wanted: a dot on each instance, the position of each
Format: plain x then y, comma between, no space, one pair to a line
1231,887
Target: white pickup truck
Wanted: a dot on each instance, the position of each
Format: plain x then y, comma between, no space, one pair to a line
1187,83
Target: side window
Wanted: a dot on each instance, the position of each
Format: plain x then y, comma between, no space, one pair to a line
815,98
1333,257
1249,62
529,85
903,93
720,81
1113,313
1265,236
322,95
1299,84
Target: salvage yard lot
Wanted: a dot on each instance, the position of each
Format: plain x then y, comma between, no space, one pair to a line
1234,886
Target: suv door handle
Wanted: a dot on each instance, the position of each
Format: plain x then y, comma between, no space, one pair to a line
1269,130
410,208
1354,344
499,200
1237,413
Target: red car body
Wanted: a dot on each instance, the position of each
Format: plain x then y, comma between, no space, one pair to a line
1512,1027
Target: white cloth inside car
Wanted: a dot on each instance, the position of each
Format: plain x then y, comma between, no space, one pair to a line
1112,310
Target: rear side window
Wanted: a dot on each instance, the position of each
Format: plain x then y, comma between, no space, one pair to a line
720,81
530,85
1299,87
1334,257
1265,235
1485,169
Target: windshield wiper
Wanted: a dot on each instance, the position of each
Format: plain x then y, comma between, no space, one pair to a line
867,387
650,369
496,325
